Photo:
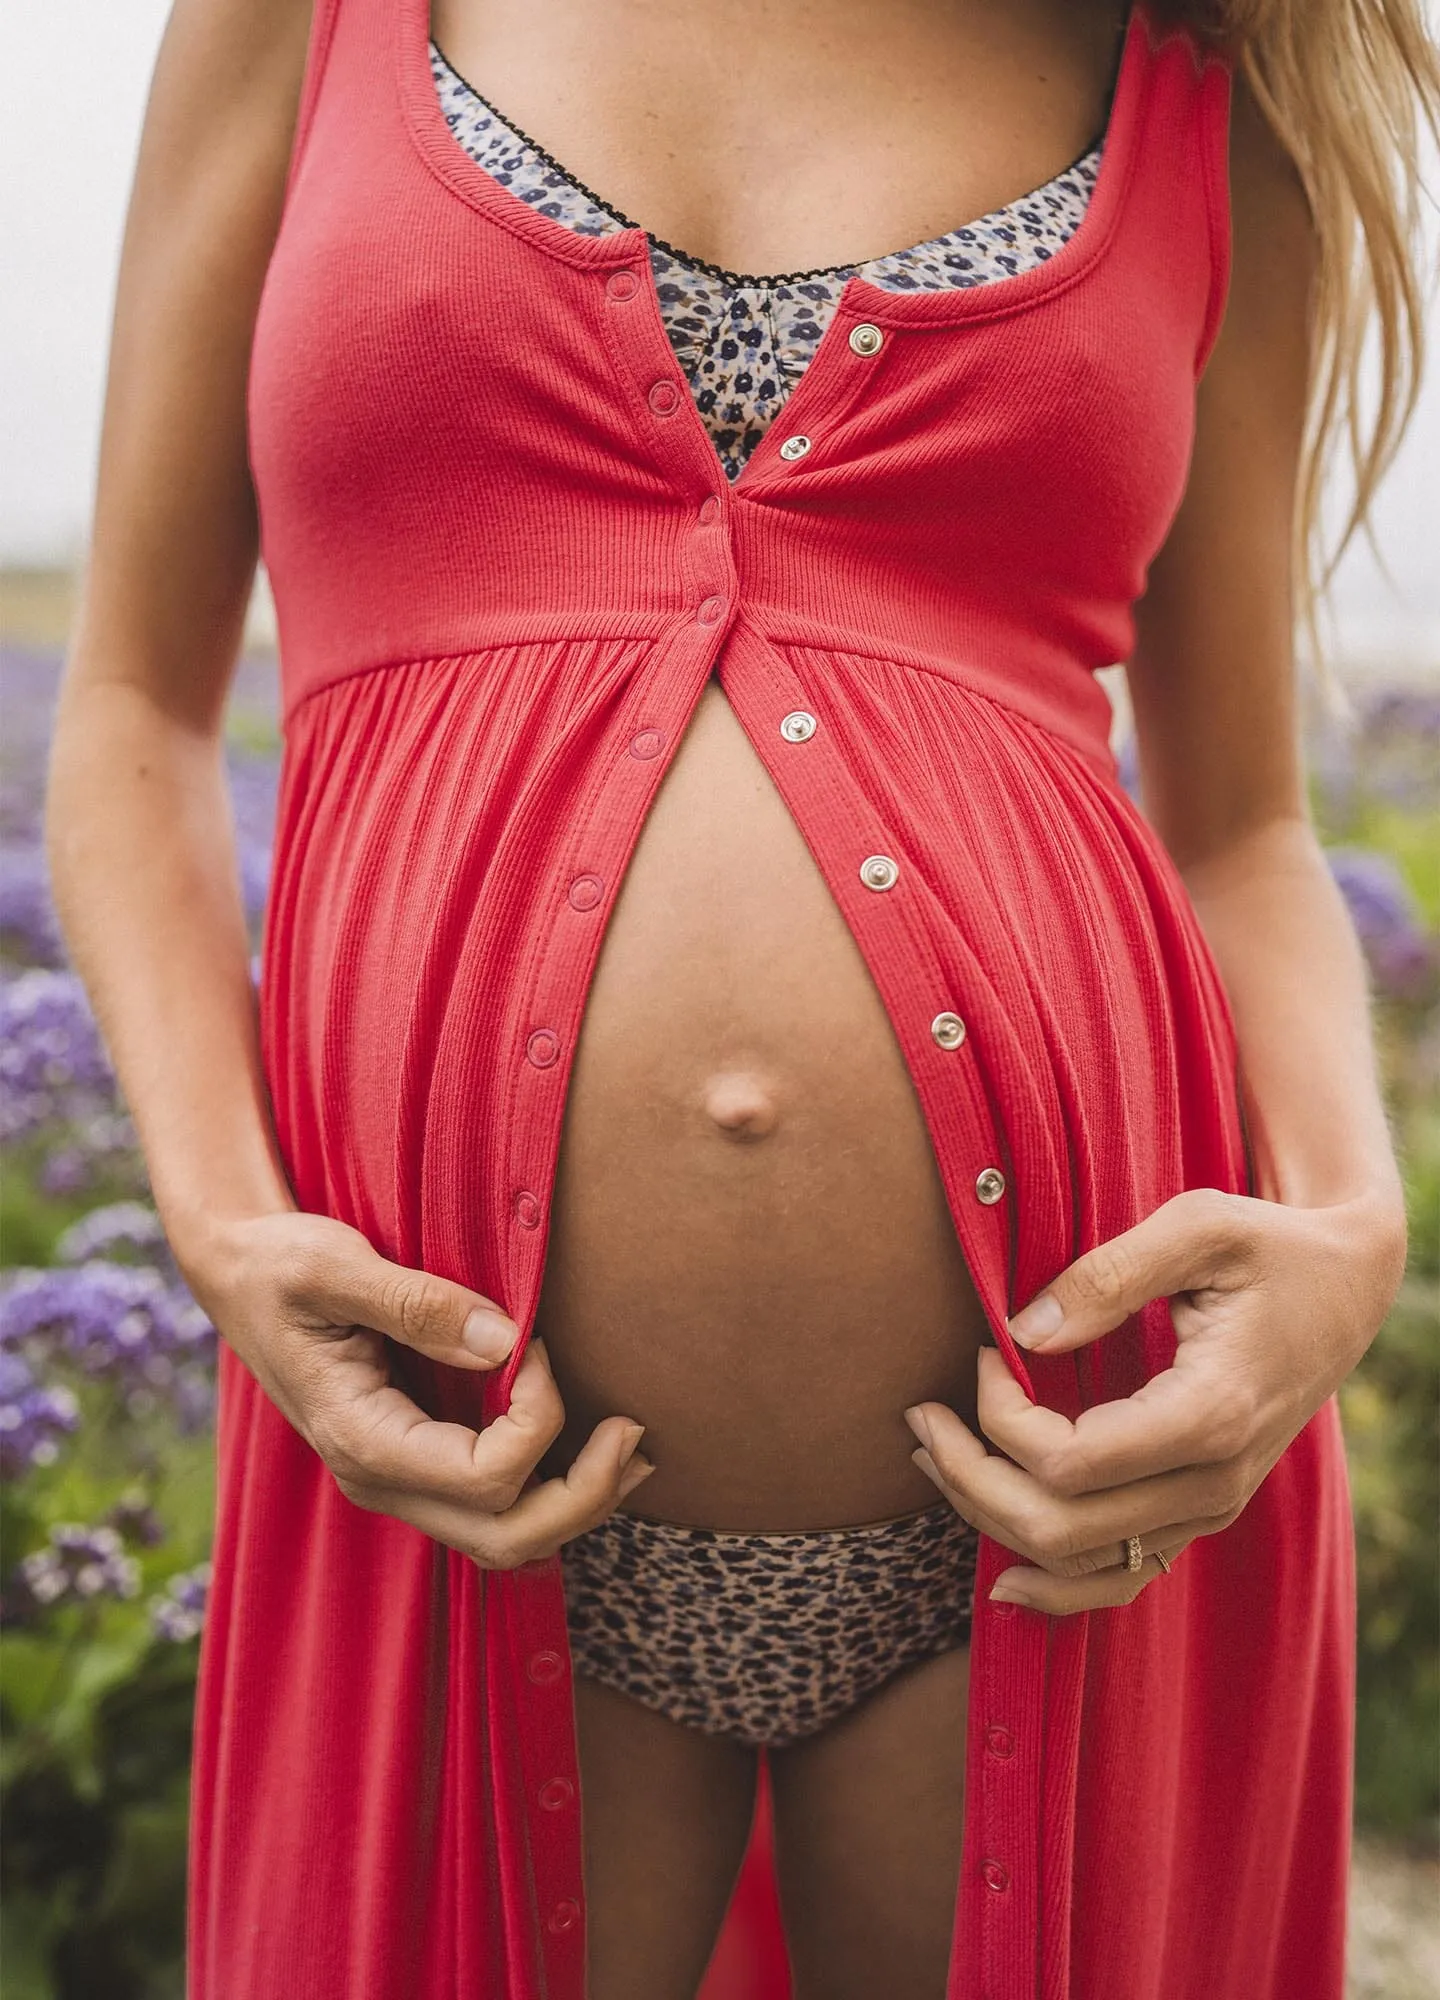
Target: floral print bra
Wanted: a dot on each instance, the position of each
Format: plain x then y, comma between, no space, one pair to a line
742,341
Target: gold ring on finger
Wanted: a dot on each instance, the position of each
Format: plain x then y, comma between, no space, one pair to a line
1161,1560
1134,1553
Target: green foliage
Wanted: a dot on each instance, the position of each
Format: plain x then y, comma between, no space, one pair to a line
93,1840
1388,1408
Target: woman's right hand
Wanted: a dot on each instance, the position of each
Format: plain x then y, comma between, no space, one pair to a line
305,1300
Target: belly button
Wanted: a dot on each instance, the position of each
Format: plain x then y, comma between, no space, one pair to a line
740,1105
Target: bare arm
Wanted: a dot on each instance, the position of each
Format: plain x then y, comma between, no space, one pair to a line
1274,1300
1214,695
138,824
142,849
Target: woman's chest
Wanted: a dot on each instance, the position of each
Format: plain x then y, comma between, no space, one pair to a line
766,137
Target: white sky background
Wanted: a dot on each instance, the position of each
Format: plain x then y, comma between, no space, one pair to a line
73,79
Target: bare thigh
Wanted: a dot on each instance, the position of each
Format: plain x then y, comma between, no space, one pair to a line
667,1814
869,1816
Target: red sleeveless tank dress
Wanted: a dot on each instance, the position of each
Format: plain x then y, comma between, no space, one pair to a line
505,562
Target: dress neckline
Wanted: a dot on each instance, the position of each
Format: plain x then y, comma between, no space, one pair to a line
468,182
749,280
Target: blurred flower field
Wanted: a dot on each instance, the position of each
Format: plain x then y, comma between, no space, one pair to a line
107,1372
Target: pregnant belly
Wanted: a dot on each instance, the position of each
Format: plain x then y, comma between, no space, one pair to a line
750,1249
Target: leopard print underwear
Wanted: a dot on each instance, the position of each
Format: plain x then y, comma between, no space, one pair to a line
765,1639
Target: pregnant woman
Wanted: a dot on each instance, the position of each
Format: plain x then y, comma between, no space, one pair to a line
765,1222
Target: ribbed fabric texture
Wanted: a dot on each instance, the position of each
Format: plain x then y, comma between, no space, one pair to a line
506,563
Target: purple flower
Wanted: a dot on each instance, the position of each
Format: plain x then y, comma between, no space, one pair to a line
135,1520
27,915
1412,714
65,1170
253,783
33,1418
1391,754
53,1066
1401,956
254,879
1127,766
111,1231
120,1322
180,1613
80,1564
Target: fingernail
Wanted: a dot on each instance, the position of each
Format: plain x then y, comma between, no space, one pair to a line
1000,1595
1040,1319
639,1470
920,1424
632,1436
488,1335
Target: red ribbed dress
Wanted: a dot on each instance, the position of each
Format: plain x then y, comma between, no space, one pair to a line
505,562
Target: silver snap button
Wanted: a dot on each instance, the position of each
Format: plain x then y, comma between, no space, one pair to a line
878,871
866,339
948,1030
989,1185
798,727
795,447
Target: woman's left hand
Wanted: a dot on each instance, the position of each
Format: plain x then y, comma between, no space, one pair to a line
1272,1308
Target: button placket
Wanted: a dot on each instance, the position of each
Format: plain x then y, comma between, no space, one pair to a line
907,963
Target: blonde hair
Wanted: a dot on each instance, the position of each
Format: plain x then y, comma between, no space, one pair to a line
1349,87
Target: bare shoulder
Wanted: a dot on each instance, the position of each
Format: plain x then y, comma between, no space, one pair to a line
1212,672
1272,235
223,100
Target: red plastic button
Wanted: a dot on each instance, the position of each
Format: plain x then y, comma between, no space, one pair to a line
543,1047
622,284
664,398
545,1669
999,1741
1002,1610
649,743
710,610
527,1209
996,1876
555,1794
585,892
709,509
564,1916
